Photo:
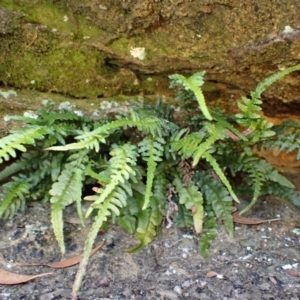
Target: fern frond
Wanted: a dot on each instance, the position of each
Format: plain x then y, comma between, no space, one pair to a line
151,150
27,161
282,192
18,138
148,220
99,177
104,211
287,138
218,201
260,172
193,83
91,140
122,167
109,199
183,218
209,233
66,190
249,107
192,198
127,220
220,174
262,86
15,193
197,143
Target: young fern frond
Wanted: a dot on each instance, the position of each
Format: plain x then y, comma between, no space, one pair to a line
107,207
249,117
18,138
152,150
262,86
197,143
193,83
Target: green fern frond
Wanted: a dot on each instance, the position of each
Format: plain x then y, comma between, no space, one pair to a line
287,138
193,83
262,86
151,150
148,220
18,138
160,186
197,143
128,218
210,232
27,161
220,174
104,211
282,192
260,172
15,193
192,198
249,107
100,177
91,140
218,200
109,200
122,167
183,218
66,190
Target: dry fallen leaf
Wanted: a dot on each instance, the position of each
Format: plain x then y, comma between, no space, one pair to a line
67,262
250,221
13,278
273,280
211,274
293,272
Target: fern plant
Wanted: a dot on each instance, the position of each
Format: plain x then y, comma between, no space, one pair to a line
176,172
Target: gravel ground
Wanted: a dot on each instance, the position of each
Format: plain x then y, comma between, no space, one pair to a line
260,262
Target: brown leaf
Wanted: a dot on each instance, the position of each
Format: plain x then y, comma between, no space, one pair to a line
13,278
211,274
293,272
273,280
67,262
250,221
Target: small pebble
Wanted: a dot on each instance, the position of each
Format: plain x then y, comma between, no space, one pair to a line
177,289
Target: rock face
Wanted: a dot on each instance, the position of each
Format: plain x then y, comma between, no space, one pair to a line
103,48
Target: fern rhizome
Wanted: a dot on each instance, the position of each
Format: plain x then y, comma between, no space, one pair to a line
183,174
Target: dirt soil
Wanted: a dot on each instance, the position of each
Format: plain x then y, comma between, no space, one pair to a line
260,262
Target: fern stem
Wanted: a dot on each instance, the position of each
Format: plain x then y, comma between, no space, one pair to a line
247,208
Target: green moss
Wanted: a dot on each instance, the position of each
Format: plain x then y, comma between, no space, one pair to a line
56,60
